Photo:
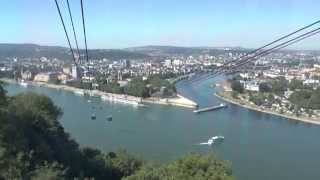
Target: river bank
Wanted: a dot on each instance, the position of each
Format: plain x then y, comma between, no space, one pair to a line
175,101
228,98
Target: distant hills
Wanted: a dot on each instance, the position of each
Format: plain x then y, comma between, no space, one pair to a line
143,52
36,51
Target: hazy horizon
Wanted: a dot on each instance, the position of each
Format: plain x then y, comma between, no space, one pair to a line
122,24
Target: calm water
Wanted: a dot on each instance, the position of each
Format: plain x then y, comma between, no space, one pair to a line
260,146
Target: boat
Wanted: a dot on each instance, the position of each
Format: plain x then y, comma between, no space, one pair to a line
23,83
109,118
122,100
79,92
93,117
217,138
212,140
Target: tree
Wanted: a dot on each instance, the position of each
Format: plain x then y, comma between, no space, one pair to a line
111,87
32,142
295,84
123,164
3,98
237,86
48,172
192,166
306,98
137,87
265,87
258,99
279,86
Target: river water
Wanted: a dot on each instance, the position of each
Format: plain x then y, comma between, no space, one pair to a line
259,146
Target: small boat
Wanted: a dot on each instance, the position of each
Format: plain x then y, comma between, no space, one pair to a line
93,117
217,138
23,83
212,140
109,118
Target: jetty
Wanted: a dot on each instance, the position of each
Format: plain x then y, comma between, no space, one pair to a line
211,108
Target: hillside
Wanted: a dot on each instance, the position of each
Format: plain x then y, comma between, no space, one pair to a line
36,51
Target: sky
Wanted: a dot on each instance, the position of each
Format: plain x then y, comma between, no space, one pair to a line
129,23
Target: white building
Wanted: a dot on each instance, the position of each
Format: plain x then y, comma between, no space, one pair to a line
251,85
311,82
167,63
66,70
26,75
75,72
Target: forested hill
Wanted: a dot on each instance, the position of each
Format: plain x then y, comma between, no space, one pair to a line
37,51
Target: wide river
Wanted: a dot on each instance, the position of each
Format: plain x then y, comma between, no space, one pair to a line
259,146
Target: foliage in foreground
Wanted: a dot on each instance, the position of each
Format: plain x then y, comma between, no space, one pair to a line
34,145
192,166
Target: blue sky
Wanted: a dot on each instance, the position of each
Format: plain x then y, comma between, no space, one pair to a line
127,23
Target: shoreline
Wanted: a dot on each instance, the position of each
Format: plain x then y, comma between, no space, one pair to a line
251,107
179,101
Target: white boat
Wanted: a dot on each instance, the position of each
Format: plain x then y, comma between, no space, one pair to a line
78,92
23,83
212,140
122,100
217,138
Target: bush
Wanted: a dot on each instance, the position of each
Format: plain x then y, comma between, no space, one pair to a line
192,166
237,86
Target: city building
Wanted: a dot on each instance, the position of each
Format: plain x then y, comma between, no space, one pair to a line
46,77
75,72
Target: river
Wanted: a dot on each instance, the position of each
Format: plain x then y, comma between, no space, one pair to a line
259,146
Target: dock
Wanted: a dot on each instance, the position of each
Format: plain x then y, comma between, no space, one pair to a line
211,108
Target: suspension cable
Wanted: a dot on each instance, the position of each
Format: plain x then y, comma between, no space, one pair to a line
84,32
261,48
65,31
74,32
276,48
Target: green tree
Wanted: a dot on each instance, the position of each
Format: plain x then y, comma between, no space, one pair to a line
295,84
48,172
237,86
3,98
279,86
137,87
192,166
123,164
265,87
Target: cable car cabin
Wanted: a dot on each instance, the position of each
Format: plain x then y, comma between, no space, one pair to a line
93,117
109,118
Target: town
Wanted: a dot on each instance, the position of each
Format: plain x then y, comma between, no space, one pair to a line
286,82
